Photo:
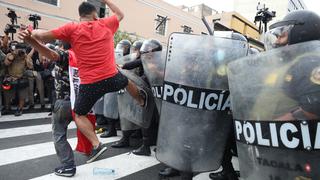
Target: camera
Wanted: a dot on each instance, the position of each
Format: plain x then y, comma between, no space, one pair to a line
34,17
264,15
12,14
21,48
11,28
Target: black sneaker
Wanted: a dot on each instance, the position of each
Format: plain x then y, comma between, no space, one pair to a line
66,171
96,152
18,112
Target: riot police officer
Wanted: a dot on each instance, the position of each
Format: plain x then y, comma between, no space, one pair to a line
276,96
126,49
149,134
297,27
136,63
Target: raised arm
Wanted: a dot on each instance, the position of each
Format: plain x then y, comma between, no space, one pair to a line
42,49
43,35
29,62
114,9
31,53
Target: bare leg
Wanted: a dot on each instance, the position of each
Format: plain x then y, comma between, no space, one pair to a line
86,128
134,92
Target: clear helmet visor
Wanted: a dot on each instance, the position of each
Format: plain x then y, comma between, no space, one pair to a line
133,56
149,47
118,53
120,47
134,50
277,37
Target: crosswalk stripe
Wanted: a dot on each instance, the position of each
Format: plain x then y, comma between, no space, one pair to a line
29,130
24,153
31,122
9,118
123,165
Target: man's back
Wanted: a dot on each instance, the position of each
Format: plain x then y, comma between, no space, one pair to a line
92,42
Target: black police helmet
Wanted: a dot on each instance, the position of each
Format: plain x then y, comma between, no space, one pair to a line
124,45
136,45
305,26
151,45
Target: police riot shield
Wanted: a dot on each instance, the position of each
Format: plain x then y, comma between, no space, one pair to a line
276,108
98,106
195,115
129,109
153,65
110,107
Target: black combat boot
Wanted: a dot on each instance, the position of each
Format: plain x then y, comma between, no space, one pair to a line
124,141
111,130
143,150
137,134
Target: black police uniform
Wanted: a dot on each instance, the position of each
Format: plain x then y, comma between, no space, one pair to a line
302,84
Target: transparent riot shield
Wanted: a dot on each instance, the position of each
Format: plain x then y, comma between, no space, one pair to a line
110,109
276,107
153,65
195,117
99,107
129,109
110,100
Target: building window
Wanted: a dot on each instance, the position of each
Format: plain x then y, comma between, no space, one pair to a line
187,29
52,2
302,7
161,25
101,7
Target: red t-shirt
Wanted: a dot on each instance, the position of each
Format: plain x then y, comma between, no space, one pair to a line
93,45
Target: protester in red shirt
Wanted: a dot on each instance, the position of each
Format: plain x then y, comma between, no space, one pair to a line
92,42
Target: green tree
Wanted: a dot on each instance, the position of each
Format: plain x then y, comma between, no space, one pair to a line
123,35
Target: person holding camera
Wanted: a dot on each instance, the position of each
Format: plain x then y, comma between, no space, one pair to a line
15,80
35,75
